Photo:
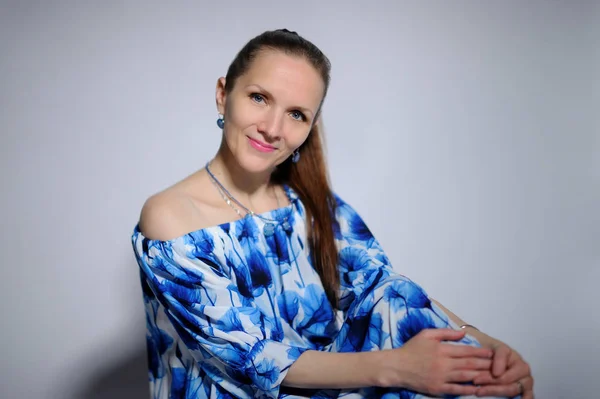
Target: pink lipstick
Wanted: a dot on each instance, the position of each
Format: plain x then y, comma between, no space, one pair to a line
260,146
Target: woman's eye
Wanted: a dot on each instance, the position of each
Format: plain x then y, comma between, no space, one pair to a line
257,97
298,115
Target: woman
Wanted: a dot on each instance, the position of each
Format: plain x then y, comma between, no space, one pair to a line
260,282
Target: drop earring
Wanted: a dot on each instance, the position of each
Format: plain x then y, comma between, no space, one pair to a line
296,156
220,121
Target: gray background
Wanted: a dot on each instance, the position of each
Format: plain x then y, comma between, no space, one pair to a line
465,133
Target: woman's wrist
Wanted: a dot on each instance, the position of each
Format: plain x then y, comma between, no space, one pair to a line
392,368
331,370
376,369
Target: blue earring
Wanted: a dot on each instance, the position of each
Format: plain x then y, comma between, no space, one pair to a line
220,121
296,156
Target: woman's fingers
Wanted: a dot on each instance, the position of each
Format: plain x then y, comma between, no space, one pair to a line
527,388
472,363
453,350
443,334
516,371
459,390
506,390
501,358
485,377
464,370
510,390
462,375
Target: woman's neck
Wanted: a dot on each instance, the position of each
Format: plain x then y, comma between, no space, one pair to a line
254,190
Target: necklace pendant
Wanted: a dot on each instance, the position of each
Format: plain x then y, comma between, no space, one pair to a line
269,229
286,226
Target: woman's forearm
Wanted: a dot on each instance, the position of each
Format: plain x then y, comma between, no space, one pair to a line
322,370
484,339
327,370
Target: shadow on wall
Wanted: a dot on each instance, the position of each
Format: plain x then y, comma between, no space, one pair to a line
127,379
126,376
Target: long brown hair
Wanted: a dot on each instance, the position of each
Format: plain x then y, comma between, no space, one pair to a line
308,177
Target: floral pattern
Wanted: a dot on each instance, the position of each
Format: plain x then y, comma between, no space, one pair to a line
231,307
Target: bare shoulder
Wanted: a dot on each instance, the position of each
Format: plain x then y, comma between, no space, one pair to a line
187,206
164,215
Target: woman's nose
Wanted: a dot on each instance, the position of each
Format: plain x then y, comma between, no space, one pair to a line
271,124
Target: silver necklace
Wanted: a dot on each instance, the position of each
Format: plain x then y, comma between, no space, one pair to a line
228,201
269,228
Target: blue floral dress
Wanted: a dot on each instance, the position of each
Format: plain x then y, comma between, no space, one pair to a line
229,308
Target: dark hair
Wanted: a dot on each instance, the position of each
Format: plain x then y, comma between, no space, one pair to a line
308,177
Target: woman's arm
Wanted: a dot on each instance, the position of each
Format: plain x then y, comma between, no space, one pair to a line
509,374
424,364
485,340
362,263
327,370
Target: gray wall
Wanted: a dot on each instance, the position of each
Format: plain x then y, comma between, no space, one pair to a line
463,132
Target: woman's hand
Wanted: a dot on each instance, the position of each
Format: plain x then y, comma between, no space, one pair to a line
509,375
428,365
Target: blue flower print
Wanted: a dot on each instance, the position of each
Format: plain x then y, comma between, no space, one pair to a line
230,309
403,293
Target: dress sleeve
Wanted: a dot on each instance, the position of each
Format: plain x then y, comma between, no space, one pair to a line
235,343
362,261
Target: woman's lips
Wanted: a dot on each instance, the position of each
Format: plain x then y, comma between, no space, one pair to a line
260,146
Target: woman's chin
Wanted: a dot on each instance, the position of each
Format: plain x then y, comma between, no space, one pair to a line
257,164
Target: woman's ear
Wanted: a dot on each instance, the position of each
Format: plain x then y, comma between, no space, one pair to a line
221,96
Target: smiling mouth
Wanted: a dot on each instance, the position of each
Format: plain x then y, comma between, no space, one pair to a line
260,146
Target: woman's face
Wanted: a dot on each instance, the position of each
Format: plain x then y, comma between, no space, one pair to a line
270,110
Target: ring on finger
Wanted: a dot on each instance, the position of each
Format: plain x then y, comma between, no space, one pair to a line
521,387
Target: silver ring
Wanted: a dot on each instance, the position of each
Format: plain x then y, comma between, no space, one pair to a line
521,387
